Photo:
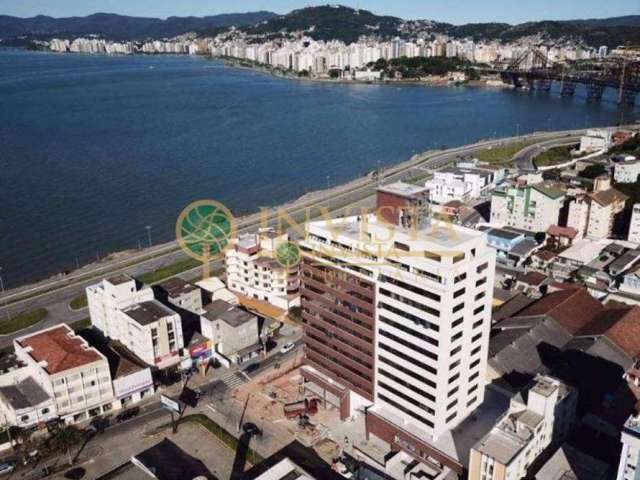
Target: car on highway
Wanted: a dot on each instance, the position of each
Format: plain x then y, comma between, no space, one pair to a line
287,347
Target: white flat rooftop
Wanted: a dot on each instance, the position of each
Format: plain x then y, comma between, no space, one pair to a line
584,250
402,188
442,234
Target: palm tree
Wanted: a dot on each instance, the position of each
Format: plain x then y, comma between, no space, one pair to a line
64,438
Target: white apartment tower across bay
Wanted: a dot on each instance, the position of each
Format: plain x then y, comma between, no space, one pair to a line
397,313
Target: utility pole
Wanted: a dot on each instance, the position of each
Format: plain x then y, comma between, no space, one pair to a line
329,188
148,227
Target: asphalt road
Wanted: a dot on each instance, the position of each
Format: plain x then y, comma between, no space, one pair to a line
523,160
55,295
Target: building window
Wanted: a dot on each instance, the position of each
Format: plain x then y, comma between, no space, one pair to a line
454,378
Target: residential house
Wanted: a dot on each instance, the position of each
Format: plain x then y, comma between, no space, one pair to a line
541,416
181,294
560,237
512,247
233,331
579,254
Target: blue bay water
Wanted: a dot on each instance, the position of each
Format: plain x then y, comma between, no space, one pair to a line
93,148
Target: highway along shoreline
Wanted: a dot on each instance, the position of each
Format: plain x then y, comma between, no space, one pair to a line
334,199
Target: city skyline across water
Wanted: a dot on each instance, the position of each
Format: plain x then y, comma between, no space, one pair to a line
96,148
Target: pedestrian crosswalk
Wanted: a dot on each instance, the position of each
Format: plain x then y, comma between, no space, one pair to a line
232,379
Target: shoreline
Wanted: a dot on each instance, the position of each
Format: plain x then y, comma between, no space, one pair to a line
284,75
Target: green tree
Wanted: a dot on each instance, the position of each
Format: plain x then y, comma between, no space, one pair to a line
64,439
593,171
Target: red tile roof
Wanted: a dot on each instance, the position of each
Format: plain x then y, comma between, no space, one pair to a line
532,278
545,255
574,309
568,232
621,326
60,348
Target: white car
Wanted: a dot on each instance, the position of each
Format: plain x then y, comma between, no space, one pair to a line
287,347
6,468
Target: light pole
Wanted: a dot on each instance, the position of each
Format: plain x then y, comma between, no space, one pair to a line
329,188
6,307
148,227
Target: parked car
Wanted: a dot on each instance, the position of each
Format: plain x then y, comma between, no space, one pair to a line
128,415
287,347
251,368
6,468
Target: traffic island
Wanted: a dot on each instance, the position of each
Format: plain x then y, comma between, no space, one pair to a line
22,320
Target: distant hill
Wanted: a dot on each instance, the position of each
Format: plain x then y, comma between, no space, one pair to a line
120,27
331,22
593,32
626,21
327,22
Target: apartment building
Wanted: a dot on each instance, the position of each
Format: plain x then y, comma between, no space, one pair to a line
627,172
254,271
233,331
538,417
108,297
152,331
181,294
634,225
629,465
593,215
455,183
596,140
528,207
396,314
71,372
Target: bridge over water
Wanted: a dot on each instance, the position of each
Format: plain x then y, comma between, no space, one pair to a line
535,71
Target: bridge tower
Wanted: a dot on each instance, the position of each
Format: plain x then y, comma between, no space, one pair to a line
568,88
594,91
544,84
